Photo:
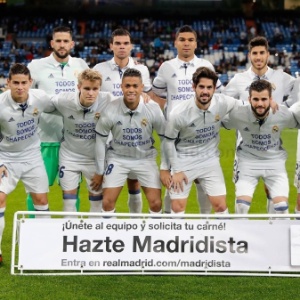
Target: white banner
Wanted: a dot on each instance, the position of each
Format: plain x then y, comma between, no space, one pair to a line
158,245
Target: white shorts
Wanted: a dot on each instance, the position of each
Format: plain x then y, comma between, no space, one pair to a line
211,179
32,174
70,175
276,181
118,169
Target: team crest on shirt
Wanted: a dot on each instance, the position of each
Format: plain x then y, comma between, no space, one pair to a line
217,117
97,116
144,122
76,72
35,112
275,129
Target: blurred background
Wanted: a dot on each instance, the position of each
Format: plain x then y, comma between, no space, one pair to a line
224,28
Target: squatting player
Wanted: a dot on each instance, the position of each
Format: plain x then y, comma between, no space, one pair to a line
191,143
260,153
131,149
174,79
282,83
54,74
20,154
112,70
80,111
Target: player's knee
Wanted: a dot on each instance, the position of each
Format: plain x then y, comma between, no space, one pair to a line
2,199
220,206
177,206
40,200
155,204
107,204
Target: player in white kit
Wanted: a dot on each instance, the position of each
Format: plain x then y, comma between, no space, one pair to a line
191,143
54,74
282,83
260,153
174,80
20,154
81,111
131,150
112,70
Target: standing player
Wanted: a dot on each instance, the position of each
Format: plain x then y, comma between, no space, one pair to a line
80,111
191,143
54,74
20,154
282,83
113,70
131,149
174,79
260,153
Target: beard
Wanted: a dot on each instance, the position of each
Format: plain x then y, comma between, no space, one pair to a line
260,115
61,56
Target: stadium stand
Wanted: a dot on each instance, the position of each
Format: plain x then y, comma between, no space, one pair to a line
222,41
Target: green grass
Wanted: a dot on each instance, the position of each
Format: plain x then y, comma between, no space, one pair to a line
150,287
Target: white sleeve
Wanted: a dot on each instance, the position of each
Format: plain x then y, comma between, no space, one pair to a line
100,153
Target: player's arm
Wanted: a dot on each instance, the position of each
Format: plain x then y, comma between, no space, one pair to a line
294,94
159,100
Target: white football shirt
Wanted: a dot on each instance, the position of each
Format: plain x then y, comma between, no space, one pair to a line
48,75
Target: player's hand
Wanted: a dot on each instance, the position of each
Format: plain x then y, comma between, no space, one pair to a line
96,182
177,181
166,178
3,172
274,106
146,98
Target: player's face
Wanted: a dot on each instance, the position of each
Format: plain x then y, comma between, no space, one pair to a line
19,86
204,92
121,46
62,45
259,57
186,45
89,91
260,103
132,88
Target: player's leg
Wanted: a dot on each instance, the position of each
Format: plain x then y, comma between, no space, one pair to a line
203,199
135,201
297,182
167,202
50,153
213,183
116,173
69,176
278,185
2,219
148,175
246,181
179,199
35,180
270,204
95,190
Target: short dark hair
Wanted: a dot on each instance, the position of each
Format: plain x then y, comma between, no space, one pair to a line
186,28
258,41
204,72
62,29
260,85
130,72
120,32
18,68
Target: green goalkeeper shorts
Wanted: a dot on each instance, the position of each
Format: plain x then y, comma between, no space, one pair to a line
50,153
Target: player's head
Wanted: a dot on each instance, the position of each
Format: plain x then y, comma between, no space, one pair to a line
62,43
259,53
120,43
186,42
204,85
19,82
132,87
89,83
260,97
